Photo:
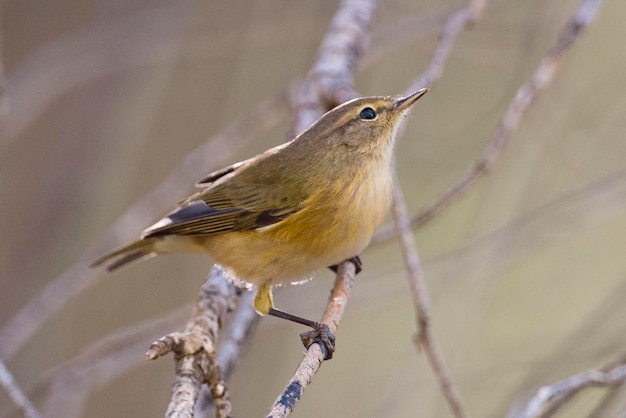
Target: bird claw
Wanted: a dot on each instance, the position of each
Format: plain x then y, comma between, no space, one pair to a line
356,260
323,336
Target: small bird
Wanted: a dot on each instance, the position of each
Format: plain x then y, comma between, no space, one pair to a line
277,218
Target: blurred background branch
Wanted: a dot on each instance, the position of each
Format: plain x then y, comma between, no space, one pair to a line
526,94
421,300
194,349
17,396
549,399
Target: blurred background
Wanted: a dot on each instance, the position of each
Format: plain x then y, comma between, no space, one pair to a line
106,102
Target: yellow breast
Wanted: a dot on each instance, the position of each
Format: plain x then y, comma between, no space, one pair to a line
334,225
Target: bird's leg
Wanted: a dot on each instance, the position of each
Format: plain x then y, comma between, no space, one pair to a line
264,305
263,300
356,260
320,333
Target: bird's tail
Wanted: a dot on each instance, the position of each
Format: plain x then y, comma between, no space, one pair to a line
138,250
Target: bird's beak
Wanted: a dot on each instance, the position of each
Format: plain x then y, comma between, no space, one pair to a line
405,102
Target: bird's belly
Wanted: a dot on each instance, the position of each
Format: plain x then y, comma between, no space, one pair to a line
323,234
290,251
256,257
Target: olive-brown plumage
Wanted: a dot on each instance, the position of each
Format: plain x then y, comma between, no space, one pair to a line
292,210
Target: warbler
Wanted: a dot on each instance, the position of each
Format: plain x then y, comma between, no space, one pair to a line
277,218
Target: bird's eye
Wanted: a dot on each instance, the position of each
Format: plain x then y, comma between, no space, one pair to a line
367,113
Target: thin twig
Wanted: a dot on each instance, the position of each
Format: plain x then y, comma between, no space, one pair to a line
421,300
314,356
560,400
417,283
611,375
541,79
526,94
17,396
194,349
237,336
453,28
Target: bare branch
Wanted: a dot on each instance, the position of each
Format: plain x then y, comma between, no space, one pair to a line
455,25
16,394
419,290
314,356
524,97
194,349
237,336
549,399
421,300
526,94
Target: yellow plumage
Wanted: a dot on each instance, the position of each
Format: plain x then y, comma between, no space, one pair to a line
297,208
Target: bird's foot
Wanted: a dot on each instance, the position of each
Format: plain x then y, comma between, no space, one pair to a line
356,260
321,335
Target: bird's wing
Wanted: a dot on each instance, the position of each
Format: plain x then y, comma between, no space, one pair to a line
231,206
251,194
268,159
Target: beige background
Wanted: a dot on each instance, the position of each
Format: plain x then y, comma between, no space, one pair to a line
106,99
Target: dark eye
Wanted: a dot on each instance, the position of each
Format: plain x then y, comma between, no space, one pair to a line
367,113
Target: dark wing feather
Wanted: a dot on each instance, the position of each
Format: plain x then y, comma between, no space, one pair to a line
194,218
237,199
213,212
252,220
